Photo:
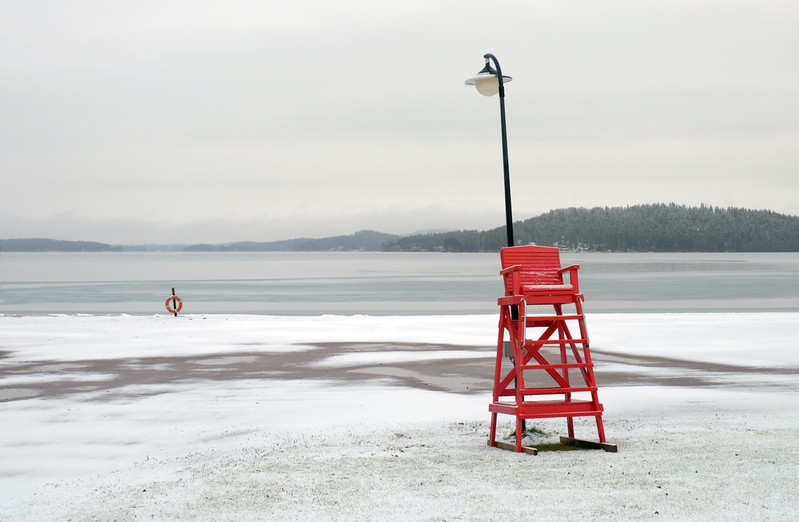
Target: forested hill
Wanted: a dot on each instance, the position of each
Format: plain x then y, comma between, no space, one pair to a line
640,228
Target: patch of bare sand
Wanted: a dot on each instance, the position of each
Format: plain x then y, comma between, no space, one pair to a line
450,373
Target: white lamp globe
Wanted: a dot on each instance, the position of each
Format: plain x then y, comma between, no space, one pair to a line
487,81
487,86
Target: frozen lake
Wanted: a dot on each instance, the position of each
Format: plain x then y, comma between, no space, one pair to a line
371,283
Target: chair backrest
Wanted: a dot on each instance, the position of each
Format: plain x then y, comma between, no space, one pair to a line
539,265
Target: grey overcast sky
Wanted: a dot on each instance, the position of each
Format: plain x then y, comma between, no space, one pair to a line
189,121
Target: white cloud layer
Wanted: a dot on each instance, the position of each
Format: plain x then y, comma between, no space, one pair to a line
198,121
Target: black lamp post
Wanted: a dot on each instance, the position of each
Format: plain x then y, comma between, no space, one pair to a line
490,81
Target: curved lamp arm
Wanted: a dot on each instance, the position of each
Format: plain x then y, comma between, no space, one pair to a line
490,81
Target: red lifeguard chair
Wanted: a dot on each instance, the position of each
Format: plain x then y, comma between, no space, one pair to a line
550,373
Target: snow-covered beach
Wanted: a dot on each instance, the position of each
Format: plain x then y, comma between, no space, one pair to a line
237,417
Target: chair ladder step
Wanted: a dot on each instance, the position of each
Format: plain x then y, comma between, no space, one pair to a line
550,318
554,366
541,409
556,342
555,391
511,392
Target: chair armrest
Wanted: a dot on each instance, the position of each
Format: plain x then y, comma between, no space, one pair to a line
516,281
512,268
574,279
568,268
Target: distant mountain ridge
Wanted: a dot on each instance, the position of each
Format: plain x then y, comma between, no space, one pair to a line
364,240
35,244
640,228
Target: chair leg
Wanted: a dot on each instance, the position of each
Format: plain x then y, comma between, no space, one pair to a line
492,434
600,428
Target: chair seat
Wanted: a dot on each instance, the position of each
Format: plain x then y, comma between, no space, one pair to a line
535,289
536,271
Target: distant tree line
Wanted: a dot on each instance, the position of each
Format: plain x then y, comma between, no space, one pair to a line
365,240
54,245
639,228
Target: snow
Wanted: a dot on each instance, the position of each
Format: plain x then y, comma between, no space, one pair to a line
349,359
81,443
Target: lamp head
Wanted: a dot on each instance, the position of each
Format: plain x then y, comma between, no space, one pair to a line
487,80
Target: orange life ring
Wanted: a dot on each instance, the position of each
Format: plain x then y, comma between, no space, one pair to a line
170,300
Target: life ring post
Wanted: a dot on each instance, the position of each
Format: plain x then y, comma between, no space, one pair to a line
174,304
